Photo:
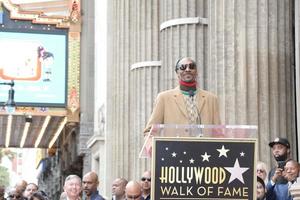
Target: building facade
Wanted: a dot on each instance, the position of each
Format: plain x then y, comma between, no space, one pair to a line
245,54
244,51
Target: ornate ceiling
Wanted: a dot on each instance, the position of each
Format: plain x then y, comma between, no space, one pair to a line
49,7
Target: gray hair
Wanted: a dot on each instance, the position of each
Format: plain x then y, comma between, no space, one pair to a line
72,176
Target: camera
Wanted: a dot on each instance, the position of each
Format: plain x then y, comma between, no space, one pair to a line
281,164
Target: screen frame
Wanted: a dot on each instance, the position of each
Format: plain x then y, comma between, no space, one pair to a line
40,29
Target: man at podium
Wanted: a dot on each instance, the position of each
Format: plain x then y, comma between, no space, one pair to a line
187,103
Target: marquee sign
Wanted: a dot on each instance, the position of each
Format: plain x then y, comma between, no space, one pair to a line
199,168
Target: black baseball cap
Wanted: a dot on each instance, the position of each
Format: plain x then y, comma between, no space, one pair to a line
282,141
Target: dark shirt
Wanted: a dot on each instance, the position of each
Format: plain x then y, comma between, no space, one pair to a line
96,196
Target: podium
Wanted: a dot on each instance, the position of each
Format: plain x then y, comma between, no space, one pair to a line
202,161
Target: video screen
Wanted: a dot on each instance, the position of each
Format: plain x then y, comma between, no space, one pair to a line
37,62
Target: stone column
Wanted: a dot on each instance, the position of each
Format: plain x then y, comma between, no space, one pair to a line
118,91
87,74
251,66
133,82
144,76
183,32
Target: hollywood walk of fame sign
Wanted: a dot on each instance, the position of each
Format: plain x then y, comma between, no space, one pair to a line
203,168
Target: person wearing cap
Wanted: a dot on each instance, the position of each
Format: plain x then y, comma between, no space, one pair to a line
280,191
281,152
187,103
260,189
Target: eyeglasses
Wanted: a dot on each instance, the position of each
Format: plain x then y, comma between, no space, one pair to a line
184,66
14,196
144,179
260,170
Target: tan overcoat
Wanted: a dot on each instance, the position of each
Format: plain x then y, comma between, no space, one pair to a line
169,108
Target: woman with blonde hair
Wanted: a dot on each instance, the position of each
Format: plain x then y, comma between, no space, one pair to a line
262,171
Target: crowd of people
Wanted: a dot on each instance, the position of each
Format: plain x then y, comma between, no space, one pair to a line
23,191
274,184
271,184
86,188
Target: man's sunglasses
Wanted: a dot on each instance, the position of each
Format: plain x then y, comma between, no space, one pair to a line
14,196
184,66
260,170
144,179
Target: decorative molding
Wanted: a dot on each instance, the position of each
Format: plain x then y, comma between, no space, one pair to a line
180,21
93,140
74,73
36,111
35,16
145,64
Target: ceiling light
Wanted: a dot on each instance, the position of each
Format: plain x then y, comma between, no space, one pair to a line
8,130
61,126
25,132
45,124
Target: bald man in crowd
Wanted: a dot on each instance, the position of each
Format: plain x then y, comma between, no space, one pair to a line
118,189
146,185
90,184
21,185
133,191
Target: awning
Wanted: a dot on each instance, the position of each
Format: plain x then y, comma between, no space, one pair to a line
26,131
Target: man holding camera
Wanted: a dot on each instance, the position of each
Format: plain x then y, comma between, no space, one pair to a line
280,191
281,152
